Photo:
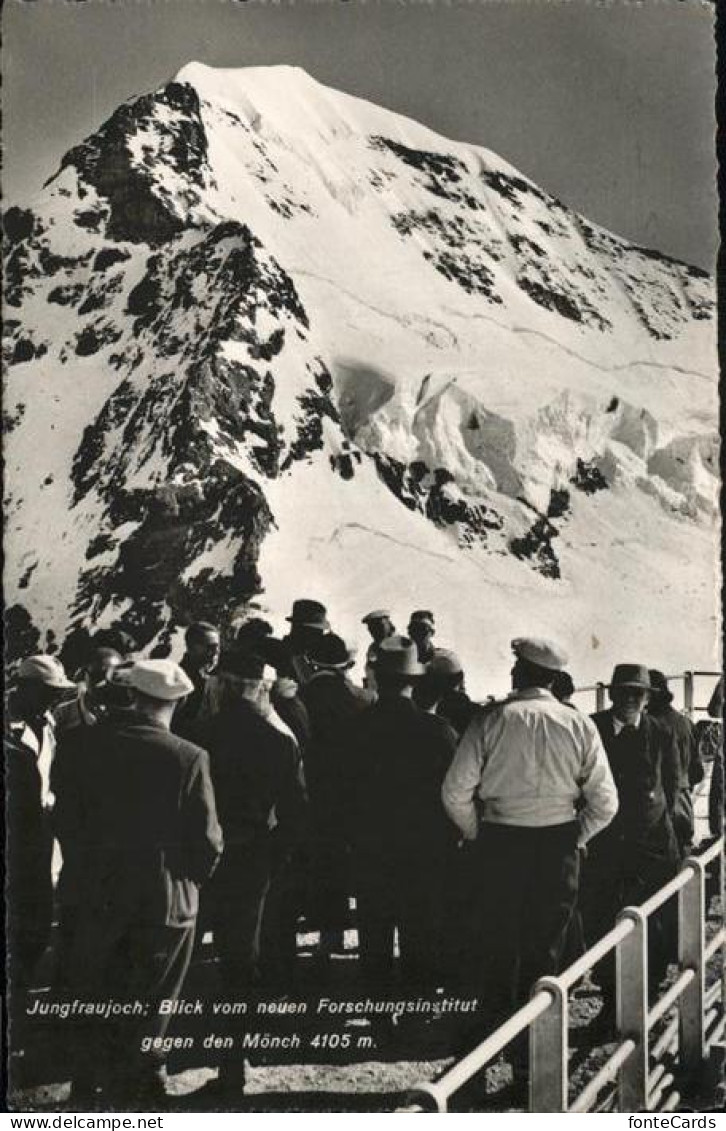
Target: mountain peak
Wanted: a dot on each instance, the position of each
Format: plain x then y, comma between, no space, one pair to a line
264,330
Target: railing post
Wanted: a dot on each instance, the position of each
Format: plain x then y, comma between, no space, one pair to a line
600,689
631,966
548,1051
690,956
688,693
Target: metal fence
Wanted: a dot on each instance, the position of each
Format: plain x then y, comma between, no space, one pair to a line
643,1081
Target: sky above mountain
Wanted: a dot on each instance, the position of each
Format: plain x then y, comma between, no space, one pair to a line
608,107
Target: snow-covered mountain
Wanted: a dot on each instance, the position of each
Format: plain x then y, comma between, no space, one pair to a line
266,340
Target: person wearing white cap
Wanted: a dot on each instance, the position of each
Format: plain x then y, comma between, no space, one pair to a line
29,742
530,784
151,836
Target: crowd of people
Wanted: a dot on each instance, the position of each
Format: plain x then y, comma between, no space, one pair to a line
474,847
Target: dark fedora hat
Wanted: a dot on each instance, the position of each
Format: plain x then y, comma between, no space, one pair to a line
330,651
242,662
631,675
309,614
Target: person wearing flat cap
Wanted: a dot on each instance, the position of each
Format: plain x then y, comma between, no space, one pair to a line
638,852
151,837
333,704
380,626
29,741
529,785
399,834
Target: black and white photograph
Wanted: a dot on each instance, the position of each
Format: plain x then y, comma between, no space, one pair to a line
362,580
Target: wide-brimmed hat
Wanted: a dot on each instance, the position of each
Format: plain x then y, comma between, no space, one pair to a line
397,655
330,651
245,662
377,614
159,679
45,670
537,650
631,675
309,614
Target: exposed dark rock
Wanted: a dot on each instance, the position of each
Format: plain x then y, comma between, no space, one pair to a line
559,503
107,256
19,224
22,638
93,338
536,547
589,478
177,142
67,294
441,172
421,489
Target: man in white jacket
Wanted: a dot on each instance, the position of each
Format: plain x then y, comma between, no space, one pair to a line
530,784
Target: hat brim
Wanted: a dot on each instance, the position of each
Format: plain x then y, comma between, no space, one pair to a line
59,686
324,626
632,686
343,666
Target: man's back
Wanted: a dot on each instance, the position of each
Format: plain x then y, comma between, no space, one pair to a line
255,771
333,703
399,756
151,830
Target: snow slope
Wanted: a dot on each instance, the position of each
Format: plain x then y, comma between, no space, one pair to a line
267,340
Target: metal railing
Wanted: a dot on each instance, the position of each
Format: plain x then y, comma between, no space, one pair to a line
639,1087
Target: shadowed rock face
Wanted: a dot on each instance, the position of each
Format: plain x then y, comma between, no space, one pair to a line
175,367
132,206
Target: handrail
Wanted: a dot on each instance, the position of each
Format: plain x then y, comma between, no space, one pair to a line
581,965
669,998
552,994
663,894
714,944
456,1076
602,1077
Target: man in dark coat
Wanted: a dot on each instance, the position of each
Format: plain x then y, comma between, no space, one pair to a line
257,779
74,723
29,743
308,622
198,662
398,830
150,838
333,703
638,852
683,735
